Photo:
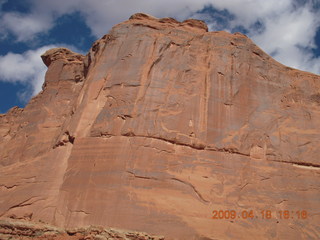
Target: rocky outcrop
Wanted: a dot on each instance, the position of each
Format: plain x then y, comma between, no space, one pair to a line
25,230
160,125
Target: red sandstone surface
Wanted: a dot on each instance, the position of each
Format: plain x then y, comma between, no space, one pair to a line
161,124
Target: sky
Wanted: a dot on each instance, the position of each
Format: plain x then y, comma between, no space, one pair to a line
288,30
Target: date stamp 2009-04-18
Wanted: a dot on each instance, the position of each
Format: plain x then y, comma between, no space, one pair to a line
262,214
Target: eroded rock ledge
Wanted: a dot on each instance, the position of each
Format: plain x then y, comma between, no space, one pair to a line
194,23
61,53
25,230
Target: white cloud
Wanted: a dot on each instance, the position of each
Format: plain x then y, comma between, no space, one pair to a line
102,16
288,28
290,37
26,68
24,27
247,12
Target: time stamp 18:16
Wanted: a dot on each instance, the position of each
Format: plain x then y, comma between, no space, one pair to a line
263,214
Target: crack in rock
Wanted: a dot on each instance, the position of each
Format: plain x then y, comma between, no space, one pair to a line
174,142
193,188
22,204
142,177
9,187
307,165
197,193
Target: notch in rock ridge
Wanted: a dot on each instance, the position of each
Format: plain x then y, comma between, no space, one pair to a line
196,23
66,138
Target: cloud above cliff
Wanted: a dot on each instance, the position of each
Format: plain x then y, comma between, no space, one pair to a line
286,29
289,30
26,68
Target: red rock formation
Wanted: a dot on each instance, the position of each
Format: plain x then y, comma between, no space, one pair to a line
161,124
24,230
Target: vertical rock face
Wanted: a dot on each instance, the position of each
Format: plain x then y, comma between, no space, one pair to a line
160,125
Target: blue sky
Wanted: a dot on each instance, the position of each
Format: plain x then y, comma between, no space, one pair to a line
288,30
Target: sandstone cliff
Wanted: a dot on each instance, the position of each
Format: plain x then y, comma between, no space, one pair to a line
159,125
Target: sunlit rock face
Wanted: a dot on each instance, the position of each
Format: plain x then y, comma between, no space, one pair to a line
160,125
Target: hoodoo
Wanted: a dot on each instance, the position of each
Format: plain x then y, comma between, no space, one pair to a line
166,128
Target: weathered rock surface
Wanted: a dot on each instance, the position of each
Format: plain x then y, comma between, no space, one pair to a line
158,126
24,230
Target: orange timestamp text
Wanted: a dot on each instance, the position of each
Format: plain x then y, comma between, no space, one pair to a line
262,214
